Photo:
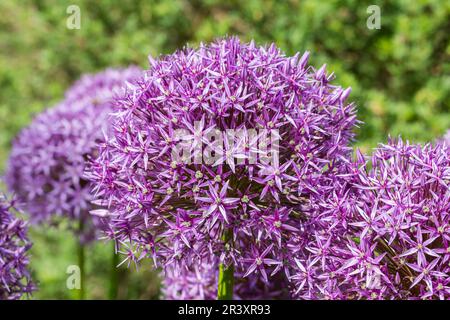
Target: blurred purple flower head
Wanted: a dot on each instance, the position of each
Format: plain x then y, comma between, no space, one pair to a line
199,282
47,160
177,209
384,233
15,279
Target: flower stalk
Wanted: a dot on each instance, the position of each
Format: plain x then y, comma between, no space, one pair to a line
114,275
226,273
81,262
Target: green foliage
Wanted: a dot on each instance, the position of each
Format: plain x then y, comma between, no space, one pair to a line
399,74
55,249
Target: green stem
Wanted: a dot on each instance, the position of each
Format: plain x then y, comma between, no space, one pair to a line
226,274
114,276
81,263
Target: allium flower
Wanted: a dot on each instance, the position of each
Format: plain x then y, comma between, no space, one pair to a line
385,233
47,160
15,279
214,200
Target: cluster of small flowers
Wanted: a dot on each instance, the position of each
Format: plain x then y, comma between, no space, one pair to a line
242,214
47,161
15,279
384,233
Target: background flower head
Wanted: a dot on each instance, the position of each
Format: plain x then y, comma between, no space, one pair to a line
200,281
385,232
47,161
15,279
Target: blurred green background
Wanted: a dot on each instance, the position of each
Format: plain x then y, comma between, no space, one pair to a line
399,75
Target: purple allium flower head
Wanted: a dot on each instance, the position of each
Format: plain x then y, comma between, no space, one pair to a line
384,233
47,160
177,208
15,279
